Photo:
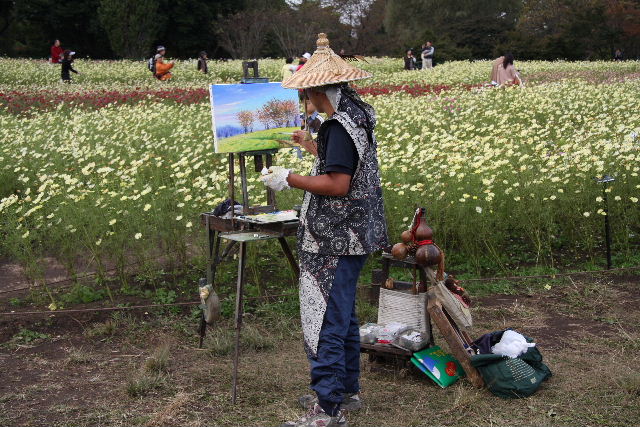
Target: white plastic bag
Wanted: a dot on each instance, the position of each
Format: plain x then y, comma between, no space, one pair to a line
512,344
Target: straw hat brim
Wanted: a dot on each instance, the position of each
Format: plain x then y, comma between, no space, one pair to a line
324,67
323,79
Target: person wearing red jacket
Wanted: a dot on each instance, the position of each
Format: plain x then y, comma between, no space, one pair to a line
56,52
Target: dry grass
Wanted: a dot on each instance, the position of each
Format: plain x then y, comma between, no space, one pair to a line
158,362
133,380
79,356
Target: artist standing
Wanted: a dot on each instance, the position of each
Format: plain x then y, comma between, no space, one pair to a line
341,222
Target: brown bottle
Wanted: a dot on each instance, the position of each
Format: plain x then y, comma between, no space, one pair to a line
423,231
428,255
399,251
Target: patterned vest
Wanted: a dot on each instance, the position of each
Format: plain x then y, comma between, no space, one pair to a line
345,225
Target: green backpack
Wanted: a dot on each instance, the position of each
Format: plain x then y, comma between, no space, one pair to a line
514,378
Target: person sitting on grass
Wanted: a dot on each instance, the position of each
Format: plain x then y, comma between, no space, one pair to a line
506,74
162,68
67,61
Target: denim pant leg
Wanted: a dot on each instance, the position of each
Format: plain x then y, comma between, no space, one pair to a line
351,381
328,369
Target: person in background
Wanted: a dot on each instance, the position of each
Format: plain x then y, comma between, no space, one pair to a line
427,56
506,73
618,56
314,119
409,61
67,66
56,52
162,68
494,70
303,60
288,68
202,63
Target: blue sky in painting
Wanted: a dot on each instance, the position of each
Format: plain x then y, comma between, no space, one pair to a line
228,100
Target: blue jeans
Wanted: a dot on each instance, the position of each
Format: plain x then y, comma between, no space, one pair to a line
336,370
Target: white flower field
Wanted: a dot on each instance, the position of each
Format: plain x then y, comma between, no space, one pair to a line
507,175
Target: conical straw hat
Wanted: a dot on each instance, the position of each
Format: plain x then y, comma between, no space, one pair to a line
324,67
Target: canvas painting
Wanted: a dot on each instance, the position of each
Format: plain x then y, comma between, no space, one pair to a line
252,117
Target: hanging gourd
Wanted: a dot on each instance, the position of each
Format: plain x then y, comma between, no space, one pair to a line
418,242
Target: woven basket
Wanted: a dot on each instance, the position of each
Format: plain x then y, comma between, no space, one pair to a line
409,309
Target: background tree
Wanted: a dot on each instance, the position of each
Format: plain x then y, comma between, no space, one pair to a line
131,25
34,24
296,28
188,29
623,17
460,29
242,34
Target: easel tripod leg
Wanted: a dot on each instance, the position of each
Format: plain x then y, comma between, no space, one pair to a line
238,320
203,329
292,260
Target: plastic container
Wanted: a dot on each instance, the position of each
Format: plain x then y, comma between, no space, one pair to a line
369,333
411,339
389,332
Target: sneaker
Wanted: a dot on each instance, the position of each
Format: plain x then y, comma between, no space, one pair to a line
316,417
350,401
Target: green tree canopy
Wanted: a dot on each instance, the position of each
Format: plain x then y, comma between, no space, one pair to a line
131,25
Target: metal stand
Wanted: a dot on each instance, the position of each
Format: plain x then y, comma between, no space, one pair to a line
238,231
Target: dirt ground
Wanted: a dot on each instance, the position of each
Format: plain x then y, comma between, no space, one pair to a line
143,368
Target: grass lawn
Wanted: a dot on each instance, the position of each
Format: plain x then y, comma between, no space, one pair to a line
254,141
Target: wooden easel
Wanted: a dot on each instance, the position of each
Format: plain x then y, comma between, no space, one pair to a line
241,231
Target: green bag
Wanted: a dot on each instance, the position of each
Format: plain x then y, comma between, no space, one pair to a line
513,378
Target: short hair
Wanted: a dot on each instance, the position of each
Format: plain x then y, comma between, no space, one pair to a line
289,60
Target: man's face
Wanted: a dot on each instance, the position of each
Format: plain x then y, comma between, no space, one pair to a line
162,52
57,43
316,99
428,44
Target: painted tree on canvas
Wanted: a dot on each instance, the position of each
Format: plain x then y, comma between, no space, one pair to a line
246,119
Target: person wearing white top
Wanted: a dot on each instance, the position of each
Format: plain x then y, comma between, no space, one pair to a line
427,56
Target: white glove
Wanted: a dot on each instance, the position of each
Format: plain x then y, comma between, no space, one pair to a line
276,178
